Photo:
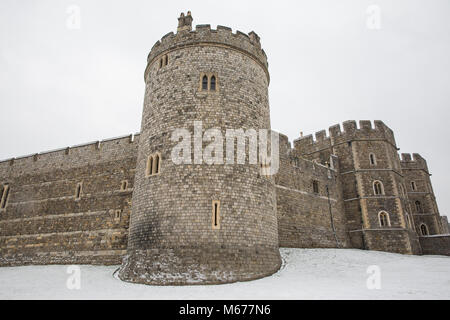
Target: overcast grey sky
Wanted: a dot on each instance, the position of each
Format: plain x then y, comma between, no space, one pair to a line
61,86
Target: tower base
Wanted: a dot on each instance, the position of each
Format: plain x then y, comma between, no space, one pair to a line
199,266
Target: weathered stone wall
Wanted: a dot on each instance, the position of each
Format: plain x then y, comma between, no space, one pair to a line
445,225
307,219
422,200
44,222
366,155
171,228
438,244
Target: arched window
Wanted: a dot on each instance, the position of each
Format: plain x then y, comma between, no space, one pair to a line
373,160
378,188
205,83
424,229
156,166
413,186
213,83
419,207
383,219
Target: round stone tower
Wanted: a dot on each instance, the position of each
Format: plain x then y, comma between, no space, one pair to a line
201,223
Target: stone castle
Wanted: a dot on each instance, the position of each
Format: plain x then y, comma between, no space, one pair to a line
124,201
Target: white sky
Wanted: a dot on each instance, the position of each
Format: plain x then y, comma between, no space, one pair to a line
61,87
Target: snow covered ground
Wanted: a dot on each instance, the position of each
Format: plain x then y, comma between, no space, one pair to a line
306,274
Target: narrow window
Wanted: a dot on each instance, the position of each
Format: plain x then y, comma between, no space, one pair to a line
2,189
315,186
166,60
160,63
378,188
419,207
117,215
373,160
124,185
413,186
205,83
424,229
5,195
383,219
78,191
149,168
216,214
213,83
157,161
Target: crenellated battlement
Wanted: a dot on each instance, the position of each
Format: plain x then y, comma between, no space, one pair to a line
300,162
248,44
349,131
416,161
95,151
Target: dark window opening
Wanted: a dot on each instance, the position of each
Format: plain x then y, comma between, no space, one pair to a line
213,83
156,164
205,83
372,159
419,207
315,186
78,193
424,230
215,214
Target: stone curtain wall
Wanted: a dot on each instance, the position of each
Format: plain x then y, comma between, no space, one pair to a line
304,218
44,223
439,245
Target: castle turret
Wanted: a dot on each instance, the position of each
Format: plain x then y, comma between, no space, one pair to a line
194,222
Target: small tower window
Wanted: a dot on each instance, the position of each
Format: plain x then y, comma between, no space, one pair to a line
160,63
213,83
373,160
156,166
78,191
117,215
153,165
424,229
149,168
216,214
166,60
124,185
413,186
383,219
419,207
205,83
316,186
378,188
4,194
